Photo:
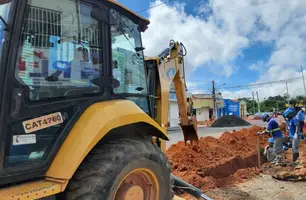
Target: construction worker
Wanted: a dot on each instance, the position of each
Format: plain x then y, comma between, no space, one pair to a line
288,114
301,117
269,151
295,136
292,128
275,132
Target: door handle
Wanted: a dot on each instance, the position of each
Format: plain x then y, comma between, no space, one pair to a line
16,102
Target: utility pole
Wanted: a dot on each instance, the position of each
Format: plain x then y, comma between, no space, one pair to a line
253,103
287,93
214,99
303,79
258,102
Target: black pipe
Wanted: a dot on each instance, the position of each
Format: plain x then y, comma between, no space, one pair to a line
188,188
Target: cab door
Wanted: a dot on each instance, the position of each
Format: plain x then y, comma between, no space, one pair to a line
54,51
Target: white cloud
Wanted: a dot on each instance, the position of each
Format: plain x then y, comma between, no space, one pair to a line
228,70
259,66
237,94
205,41
197,91
215,41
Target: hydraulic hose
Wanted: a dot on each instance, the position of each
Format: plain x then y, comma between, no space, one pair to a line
188,188
184,54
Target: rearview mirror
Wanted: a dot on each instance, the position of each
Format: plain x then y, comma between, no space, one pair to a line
112,20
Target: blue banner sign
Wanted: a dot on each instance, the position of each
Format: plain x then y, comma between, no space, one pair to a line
231,107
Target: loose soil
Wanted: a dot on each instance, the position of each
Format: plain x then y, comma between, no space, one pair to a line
227,168
275,183
259,188
289,171
218,162
230,121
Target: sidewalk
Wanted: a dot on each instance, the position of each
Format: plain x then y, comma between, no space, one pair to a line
177,128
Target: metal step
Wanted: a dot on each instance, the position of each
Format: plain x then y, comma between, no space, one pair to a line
32,190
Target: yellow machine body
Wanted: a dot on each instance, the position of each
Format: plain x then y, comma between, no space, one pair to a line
99,119
171,70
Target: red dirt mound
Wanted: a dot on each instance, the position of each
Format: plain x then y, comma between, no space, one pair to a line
217,162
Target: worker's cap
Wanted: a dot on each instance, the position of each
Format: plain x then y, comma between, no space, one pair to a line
264,116
271,140
303,109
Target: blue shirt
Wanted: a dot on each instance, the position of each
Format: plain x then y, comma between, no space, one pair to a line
292,126
273,129
300,116
287,111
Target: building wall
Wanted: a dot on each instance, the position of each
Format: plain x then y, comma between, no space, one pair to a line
202,114
173,114
243,109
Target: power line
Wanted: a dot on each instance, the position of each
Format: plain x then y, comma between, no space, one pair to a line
263,83
213,7
149,8
228,10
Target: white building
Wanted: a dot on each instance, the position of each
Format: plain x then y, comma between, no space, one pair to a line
173,119
204,105
173,111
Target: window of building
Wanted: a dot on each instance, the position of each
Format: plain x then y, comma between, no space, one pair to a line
60,50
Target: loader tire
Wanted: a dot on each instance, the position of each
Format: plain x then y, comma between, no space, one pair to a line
103,173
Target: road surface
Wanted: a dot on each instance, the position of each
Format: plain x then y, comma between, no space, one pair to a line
177,135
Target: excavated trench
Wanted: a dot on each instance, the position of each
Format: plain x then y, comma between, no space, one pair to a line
230,167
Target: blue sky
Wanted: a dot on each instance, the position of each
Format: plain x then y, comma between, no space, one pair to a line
234,42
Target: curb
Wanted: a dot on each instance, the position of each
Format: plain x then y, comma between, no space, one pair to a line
176,128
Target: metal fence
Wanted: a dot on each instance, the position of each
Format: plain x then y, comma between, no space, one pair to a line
42,23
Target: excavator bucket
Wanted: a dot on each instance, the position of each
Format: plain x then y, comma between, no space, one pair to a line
190,131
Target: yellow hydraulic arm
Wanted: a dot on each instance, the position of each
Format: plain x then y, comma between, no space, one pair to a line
170,65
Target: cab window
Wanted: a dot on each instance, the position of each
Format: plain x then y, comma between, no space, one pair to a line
60,49
127,55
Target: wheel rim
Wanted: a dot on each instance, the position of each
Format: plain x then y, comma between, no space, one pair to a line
139,184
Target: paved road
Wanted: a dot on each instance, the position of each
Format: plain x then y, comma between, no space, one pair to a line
177,135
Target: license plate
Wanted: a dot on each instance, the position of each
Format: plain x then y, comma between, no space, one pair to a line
42,122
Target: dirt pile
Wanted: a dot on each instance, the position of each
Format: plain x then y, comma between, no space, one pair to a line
230,121
217,162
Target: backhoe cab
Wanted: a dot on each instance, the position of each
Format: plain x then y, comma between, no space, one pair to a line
77,111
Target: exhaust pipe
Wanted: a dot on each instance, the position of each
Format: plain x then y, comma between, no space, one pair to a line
188,188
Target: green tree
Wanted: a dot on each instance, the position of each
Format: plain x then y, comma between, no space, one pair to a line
304,101
293,101
250,103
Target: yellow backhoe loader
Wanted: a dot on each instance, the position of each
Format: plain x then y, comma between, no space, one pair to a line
83,114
